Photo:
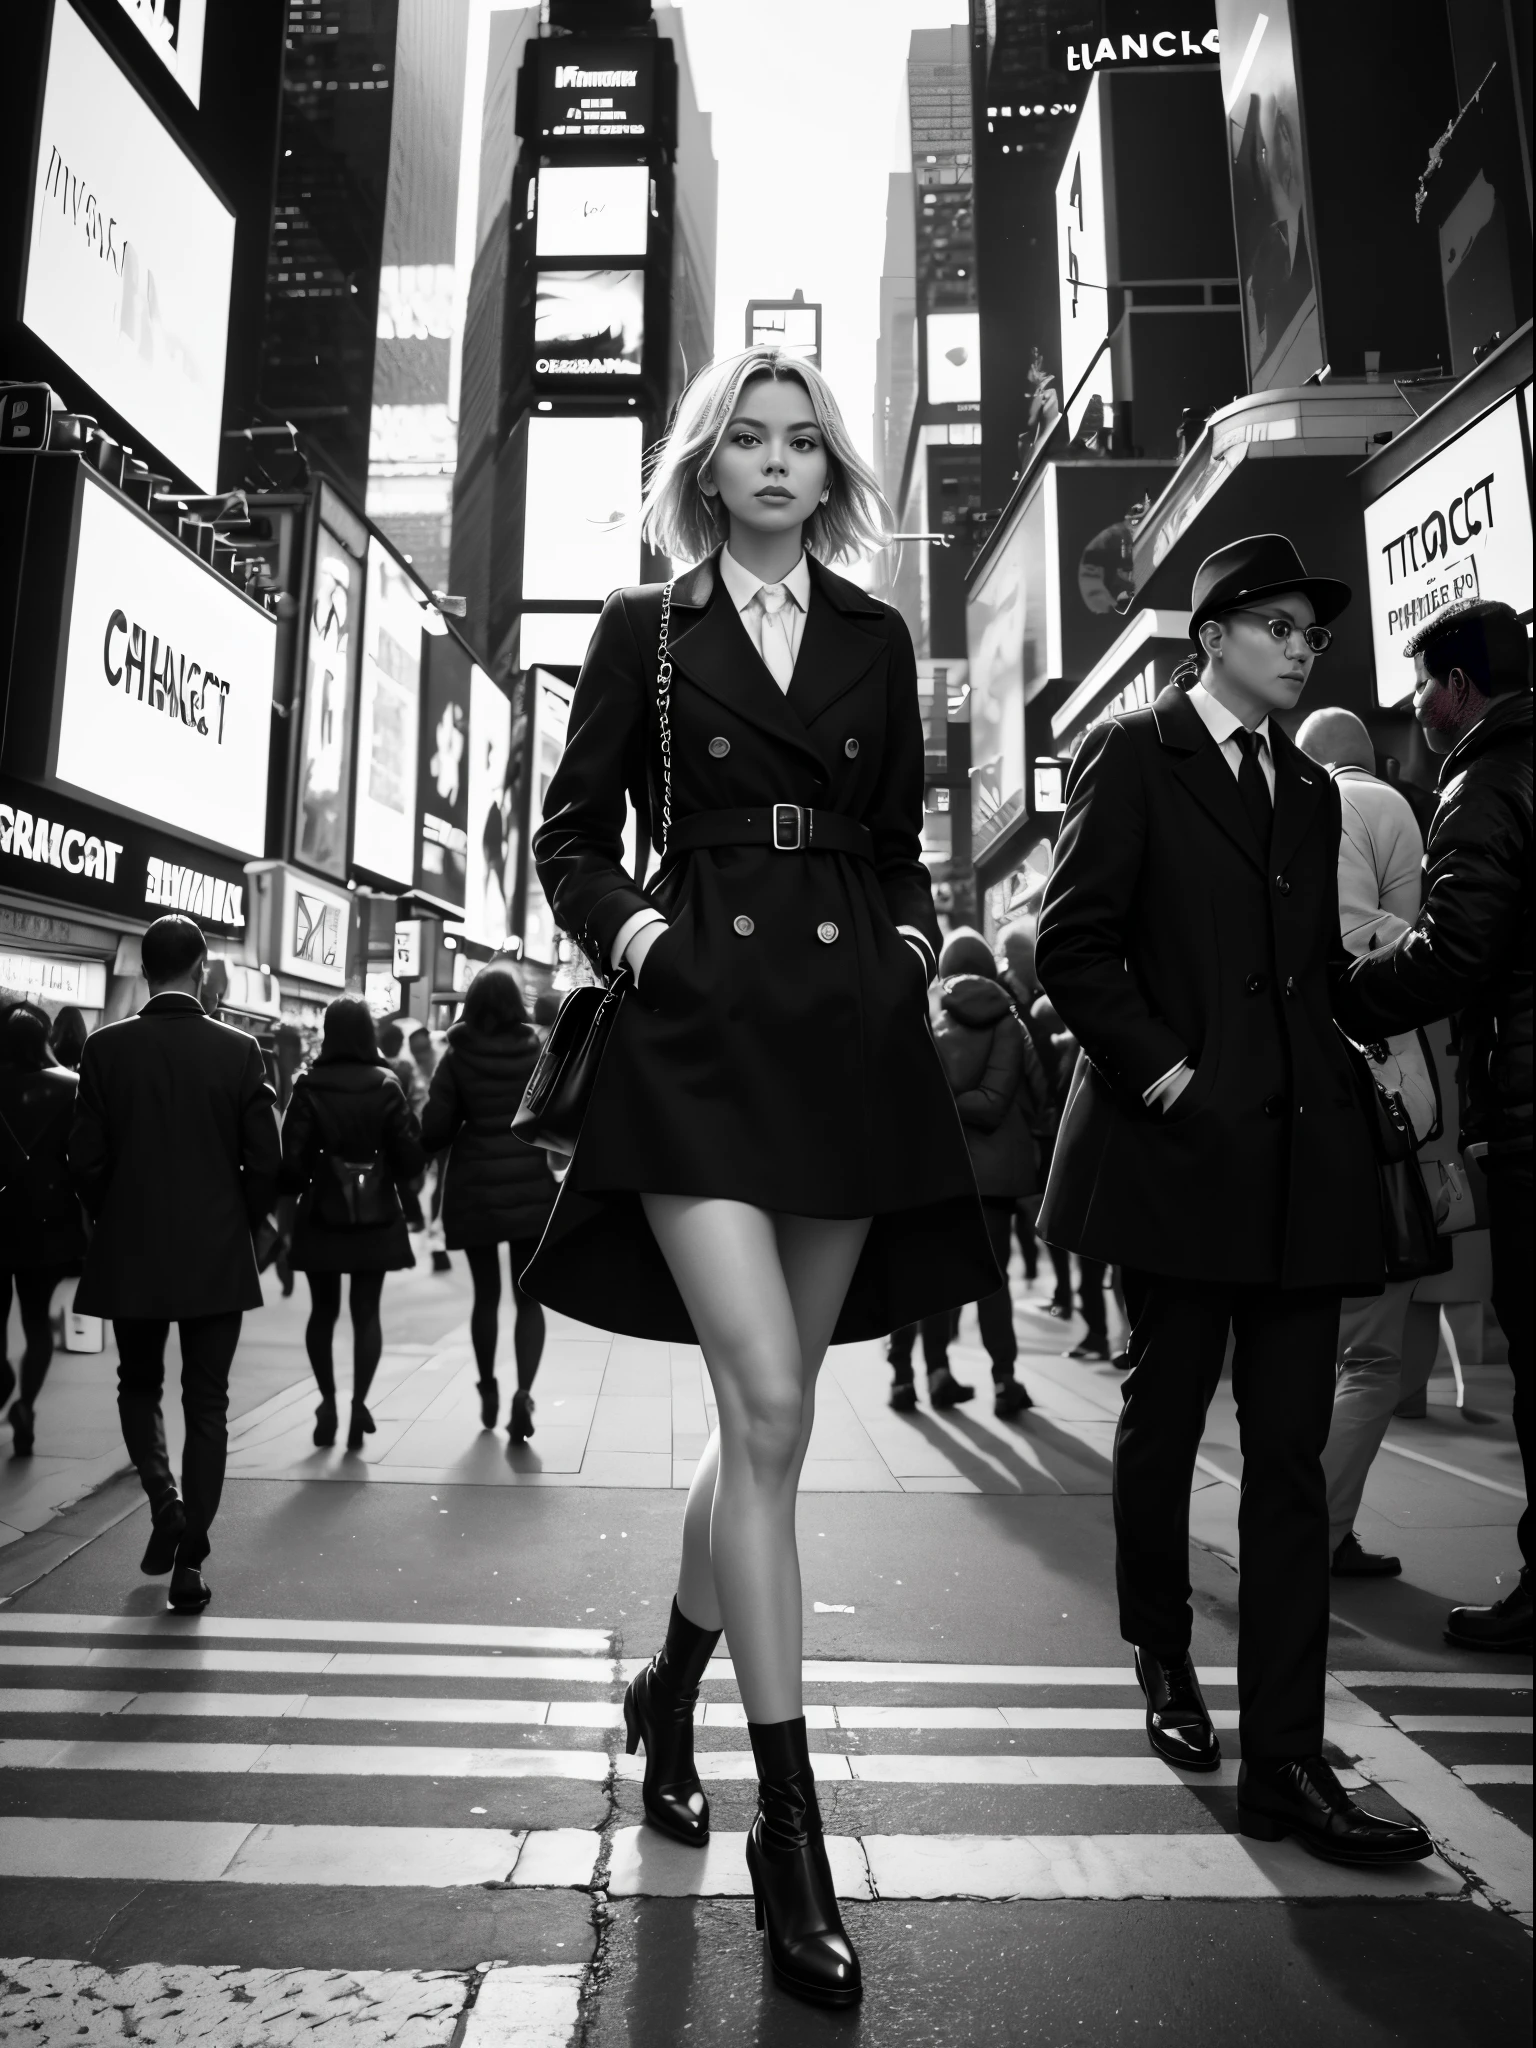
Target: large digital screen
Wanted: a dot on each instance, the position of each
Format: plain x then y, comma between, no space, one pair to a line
174,31
165,707
551,720
388,718
995,621
781,323
128,268
589,324
954,358
491,864
323,813
593,210
442,792
581,524
596,92
1082,253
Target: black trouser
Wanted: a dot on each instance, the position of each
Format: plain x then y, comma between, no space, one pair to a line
528,1332
1282,1378
994,1313
34,1292
1024,1214
207,1352
1509,1228
367,1330
1090,1297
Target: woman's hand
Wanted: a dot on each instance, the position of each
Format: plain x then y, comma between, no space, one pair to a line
640,945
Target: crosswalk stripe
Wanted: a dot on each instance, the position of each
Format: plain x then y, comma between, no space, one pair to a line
1493,1774
1462,1724
309,1663
1434,1681
203,1627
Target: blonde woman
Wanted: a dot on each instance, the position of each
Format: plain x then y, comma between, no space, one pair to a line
771,1160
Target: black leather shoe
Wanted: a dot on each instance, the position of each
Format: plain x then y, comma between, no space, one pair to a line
1009,1397
1302,1797
190,1591
520,1421
945,1391
1092,1347
903,1396
490,1402
1178,1720
1351,1562
167,1529
23,1430
1121,1361
658,1711
792,1890
361,1425
1506,1625
325,1424
441,1263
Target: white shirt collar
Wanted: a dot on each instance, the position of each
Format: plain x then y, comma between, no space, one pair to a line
1219,722
744,586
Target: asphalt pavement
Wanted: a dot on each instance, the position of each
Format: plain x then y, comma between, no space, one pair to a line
378,1793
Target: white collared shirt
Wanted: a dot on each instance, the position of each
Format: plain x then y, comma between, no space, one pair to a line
1223,726
743,588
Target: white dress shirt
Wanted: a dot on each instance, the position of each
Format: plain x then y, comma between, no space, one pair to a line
1223,726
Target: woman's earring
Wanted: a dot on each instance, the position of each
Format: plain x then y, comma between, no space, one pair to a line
826,494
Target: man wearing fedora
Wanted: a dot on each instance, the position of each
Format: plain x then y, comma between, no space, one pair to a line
1213,1145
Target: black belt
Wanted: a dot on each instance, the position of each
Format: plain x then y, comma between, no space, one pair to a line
787,828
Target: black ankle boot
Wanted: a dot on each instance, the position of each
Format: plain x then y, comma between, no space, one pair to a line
810,1954
658,1711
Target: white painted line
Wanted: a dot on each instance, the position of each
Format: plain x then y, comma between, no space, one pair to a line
1493,1774
645,1864
204,1627
728,1714
188,1852
305,1759
837,1671
26,1699
734,1766
1009,1769
1102,1719
235,1852
282,1706
563,1858
1208,1866
1462,1724
1455,1471
1435,1681
525,2005
311,1663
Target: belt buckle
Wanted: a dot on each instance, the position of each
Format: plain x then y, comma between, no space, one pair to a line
789,814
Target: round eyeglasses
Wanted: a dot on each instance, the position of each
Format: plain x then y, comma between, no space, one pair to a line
1317,638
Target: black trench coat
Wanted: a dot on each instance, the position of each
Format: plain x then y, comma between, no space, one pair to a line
777,1051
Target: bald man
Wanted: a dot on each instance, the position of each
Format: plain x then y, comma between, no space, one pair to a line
1386,1341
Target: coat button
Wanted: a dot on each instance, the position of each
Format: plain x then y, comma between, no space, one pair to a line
1282,886
1290,984
743,927
1256,984
1275,1105
719,748
827,933
850,748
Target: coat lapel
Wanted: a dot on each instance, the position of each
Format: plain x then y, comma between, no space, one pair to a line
1203,772
835,650
713,651
1298,792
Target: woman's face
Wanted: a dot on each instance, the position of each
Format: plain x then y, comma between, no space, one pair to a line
771,466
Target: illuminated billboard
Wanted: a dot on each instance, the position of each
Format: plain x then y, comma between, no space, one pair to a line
789,324
388,718
601,92
323,810
1082,252
491,863
589,324
551,719
174,31
593,210
165,708
581,526
954,358
130,254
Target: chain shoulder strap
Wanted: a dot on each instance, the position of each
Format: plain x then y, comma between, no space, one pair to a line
663,714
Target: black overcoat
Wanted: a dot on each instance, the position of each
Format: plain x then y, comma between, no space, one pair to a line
1168,933
174,1149
357,1110
777,1051
497,1190
40,1220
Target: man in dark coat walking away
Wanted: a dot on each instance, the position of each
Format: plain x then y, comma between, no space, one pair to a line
1469,952
1213,1144
175,1152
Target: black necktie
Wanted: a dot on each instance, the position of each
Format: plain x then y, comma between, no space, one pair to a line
1252,787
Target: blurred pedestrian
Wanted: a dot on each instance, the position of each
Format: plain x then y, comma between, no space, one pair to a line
1094,1342
413,1086
996,1079
497,1190
42,1235
349,1139
1023,985
1468,952
1380,850
175,1152
68,1037
546,1008
1190,938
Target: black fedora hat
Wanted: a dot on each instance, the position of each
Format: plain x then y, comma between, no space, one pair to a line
1263,565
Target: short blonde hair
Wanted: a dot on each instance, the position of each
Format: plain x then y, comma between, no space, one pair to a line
680,521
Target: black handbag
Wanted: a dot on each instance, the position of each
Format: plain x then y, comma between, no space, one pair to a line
554,1104
1411,1244
351,1194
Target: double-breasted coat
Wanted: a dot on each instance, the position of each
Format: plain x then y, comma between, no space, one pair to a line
776,1050
1169,933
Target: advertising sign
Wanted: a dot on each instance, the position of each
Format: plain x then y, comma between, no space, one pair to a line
593,210
789,324
165,703
174,31
589,324
53,846
128,267
324,811
1082,252
954,358
581,533
312,936
1458,526
407,957
596,92
1272,211
491,860
442,787
551,720
388,718
995,630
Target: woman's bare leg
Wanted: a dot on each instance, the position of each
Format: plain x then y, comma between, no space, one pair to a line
696,1594
764,1293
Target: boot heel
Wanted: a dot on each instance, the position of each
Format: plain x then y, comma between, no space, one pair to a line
631,1727
1259,1828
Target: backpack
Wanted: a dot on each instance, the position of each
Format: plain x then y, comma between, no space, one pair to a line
350,1194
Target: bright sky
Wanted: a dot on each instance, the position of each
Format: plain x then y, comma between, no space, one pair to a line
805,96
